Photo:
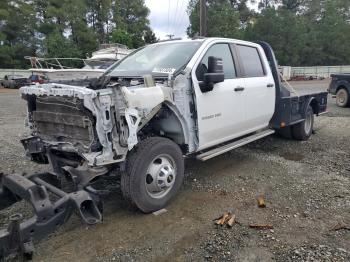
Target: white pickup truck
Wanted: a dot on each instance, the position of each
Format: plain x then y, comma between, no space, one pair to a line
162,103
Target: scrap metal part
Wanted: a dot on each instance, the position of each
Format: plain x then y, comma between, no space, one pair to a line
18,238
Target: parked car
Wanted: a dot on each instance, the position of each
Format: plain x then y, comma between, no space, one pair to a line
36,79
167,101
14,81
340,89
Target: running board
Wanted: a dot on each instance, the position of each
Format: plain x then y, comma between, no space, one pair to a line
228,147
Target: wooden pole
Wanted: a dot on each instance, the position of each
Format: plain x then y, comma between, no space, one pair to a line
203,18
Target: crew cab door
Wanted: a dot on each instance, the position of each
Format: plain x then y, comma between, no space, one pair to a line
220,111
259,92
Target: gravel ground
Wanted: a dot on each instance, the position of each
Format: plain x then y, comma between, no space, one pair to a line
306,186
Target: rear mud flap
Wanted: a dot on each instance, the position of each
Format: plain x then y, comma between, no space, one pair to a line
18,238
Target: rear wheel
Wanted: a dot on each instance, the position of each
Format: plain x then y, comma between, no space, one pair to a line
342,97
303,130
154,174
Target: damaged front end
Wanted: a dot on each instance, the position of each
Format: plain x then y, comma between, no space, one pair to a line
83,134
97,127
76,124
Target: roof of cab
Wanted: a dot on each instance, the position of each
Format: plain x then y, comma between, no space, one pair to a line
202,39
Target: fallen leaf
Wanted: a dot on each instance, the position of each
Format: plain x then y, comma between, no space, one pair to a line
223,219
231,221
261,202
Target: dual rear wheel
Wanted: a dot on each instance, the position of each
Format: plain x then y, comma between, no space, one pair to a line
301,131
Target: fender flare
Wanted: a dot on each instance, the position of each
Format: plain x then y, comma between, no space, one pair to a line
314,105
343,83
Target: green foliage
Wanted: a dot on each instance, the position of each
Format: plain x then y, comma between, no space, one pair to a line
131,16
302,32
68,28
56,45
121,36
223,19
150,37
284,30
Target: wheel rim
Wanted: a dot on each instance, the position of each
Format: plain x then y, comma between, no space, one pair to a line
341,97
160,176
308,122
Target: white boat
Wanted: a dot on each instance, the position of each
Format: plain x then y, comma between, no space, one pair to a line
107,55
54,70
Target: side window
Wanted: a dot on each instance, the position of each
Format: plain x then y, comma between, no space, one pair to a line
251,61
222,51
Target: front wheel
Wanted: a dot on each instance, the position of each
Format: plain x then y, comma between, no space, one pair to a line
154,174
303,130
342,98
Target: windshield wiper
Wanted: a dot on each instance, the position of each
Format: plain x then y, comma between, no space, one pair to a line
100,82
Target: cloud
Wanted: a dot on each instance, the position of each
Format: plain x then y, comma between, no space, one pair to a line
168,17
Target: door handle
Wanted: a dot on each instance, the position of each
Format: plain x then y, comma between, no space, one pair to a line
270,85
239,89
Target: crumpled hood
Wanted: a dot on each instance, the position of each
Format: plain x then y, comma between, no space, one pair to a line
53,89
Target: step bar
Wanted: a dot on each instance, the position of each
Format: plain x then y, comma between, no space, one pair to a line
238,143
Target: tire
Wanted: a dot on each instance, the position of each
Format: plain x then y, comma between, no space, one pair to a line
342,97
154,174
285,132
303,130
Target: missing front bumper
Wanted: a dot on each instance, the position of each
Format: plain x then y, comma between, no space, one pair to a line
18,238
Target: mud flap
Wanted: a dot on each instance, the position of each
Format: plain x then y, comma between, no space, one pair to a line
18,238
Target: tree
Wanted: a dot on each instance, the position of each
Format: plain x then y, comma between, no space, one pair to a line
150,37
56,45
99,15
82,35
131,16
283,30
263,4
223,18
17,37
121,36
302,32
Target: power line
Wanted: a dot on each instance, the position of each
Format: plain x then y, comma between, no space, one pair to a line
175,15
168,14
178,21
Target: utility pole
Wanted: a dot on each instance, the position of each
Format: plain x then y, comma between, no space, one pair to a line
170,36
203,18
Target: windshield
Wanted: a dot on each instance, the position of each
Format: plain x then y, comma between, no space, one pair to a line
156,59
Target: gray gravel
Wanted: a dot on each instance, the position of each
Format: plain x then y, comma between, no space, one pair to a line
306,186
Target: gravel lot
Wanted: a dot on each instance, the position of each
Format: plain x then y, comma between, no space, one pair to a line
306,186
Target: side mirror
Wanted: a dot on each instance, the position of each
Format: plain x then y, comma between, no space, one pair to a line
214,75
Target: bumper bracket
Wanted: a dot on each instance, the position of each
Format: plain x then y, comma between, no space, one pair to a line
39,190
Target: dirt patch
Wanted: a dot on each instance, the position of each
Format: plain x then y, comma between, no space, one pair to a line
306,187
292,156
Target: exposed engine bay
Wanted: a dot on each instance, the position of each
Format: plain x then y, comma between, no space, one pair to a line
75,126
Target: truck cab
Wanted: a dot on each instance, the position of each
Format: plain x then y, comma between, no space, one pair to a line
243,102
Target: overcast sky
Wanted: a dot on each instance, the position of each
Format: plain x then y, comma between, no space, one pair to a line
163,22
168,16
